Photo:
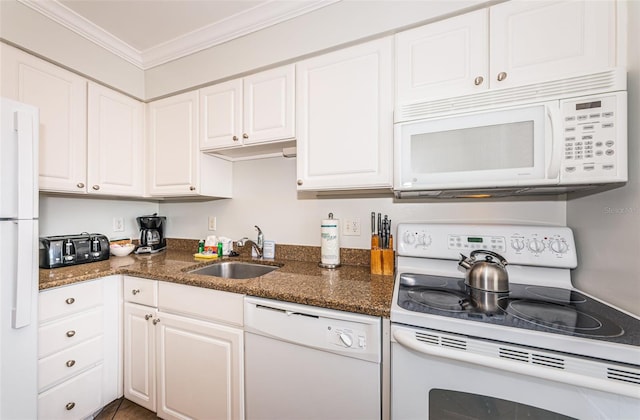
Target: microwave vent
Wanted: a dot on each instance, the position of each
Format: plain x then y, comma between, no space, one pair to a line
606,81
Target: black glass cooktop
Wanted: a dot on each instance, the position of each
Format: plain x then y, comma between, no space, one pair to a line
538,308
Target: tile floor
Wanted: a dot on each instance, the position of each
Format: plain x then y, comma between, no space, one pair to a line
122,409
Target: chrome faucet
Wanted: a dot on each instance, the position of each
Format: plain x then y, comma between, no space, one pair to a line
258,246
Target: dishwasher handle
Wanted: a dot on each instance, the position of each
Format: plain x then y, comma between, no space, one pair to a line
285,311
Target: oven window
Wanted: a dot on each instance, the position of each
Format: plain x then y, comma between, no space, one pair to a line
500,146
454,405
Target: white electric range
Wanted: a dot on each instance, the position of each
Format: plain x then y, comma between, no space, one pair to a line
548,350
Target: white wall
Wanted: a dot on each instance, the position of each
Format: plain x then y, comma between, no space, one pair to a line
32,31
69,215
264,194
607,225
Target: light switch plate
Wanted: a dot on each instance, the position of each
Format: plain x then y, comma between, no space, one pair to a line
212,223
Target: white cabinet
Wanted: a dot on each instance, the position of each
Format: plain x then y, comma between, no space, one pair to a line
514,43
91,138
344,118
446,58
176,165
79,348
183,358
115,147
256,109
61,97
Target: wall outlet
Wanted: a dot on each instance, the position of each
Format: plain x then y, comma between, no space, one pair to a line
351,227
118,224
212,222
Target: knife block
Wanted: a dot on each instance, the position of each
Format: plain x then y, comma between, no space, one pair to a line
382,261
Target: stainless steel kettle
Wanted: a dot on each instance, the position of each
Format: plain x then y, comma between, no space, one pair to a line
487,274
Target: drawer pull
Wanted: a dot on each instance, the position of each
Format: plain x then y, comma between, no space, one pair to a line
135,291
70,363
70,405
148,317
70,301
71,333
155,321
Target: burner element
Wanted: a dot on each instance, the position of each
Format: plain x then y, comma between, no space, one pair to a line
439,299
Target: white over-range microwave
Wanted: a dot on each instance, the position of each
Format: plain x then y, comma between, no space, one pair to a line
534,145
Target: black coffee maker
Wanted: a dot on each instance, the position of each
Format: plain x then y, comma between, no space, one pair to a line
151,234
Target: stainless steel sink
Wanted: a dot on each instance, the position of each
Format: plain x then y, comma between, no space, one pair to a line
234,270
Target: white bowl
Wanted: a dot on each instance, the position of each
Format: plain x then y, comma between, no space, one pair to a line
121,250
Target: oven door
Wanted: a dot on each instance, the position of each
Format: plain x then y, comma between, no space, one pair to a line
447,376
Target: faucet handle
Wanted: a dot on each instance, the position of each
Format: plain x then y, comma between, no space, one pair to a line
241,241
260,241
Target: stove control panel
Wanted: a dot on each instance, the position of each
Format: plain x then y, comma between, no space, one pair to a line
545,246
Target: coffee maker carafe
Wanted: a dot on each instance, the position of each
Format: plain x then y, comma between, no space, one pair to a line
151,234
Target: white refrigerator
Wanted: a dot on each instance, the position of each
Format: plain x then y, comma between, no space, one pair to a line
18,260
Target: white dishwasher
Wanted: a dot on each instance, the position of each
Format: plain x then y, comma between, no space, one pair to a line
304,362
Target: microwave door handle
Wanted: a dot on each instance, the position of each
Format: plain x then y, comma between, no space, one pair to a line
553,115
407,339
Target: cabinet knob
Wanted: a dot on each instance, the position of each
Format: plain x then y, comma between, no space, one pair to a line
80,185
245,136
501,76
135,291
235,138
155,321
192,188
478,80
70,406
70,363
71,333
70,301
299,182
148,317
96,187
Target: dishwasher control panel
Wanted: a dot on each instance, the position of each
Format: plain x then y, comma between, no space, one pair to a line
343,333
346,337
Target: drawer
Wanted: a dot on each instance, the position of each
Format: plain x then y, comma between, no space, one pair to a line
67,300
199,302
68,332
142,291
64,364
76,398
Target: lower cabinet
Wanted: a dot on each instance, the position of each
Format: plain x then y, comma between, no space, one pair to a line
79,348
183,356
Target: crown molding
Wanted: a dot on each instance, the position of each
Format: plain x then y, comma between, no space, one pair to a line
259,17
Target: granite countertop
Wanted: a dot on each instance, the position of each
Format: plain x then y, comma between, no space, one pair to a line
348,288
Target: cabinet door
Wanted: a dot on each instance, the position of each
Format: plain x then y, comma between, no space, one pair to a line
173,146
61,97
344,118
443,59
221,120
140,355
533,41
200,369
269,105
115,143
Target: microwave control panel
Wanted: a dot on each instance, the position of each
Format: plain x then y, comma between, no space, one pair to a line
595,139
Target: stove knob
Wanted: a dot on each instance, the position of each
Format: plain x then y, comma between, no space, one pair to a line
409,238
517,244
559,246
536,245
424,240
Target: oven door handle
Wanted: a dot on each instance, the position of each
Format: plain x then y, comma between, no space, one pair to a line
407,339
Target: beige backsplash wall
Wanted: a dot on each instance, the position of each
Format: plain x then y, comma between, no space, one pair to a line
265,194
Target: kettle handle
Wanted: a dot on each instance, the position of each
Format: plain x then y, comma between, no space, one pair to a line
502,260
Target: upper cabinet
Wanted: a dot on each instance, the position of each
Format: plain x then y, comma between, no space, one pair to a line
256,109
177,168
345,118
510,44
61,97
91,138
115,147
